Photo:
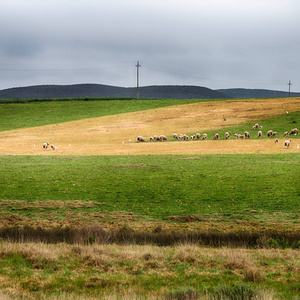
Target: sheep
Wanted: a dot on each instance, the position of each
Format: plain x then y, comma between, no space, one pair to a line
53,147
226,136
287,143
198,135
45,145
175,136
294,131
241,136
204,137
193,137
247,135
185,137
260,127
236,135
274,133
285,133
151,139
259,134
254,128
216,137
276,141
163,138
156,138
141,139
270,133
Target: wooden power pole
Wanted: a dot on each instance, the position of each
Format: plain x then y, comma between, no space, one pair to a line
289,84
137,79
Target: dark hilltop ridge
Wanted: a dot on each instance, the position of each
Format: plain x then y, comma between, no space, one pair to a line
155,91
99,90
256,93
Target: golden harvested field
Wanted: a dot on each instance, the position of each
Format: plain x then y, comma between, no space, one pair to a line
116,135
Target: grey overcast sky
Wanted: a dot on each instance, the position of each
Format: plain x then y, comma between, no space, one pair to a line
211,43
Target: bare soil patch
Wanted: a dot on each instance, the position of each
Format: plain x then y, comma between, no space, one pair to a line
116,135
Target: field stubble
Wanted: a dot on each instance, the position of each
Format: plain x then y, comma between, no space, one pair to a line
116,134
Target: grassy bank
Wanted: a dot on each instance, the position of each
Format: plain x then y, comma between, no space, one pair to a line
147,272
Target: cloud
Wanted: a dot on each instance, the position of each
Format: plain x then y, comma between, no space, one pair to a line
215,43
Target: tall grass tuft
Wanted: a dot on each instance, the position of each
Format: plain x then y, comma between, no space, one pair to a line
234,292
183,293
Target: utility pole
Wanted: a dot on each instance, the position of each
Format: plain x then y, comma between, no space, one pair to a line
137,79
289,84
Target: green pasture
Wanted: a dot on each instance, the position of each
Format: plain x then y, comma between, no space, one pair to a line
31,114
159,186
280,124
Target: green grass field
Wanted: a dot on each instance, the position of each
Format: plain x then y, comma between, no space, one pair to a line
160,186
23,115
254,196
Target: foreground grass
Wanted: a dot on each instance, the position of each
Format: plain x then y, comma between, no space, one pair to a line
131,272
207,190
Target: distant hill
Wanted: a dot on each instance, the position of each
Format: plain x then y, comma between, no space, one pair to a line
255,93
99,90
155,91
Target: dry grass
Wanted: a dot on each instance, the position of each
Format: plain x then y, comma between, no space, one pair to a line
106,264
111,134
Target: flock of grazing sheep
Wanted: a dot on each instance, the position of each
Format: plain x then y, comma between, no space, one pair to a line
246,135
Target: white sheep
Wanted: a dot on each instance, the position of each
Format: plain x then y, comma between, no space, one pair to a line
141,139
287,143
45,145
294,131
204,137
259,134
226,135
175,136
276,141
247,135
216,137
163,138
53,147
198,135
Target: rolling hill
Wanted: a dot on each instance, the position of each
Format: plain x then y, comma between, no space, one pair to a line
255,93
99,90
154,91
